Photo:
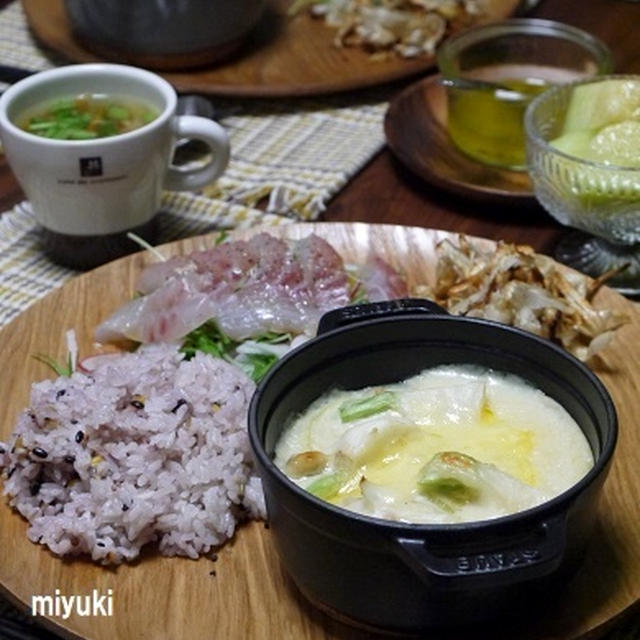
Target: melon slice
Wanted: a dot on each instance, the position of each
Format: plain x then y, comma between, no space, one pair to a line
575,143
596,105
617,144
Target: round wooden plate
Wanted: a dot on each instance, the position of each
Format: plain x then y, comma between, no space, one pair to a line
416,130
249,596
282,57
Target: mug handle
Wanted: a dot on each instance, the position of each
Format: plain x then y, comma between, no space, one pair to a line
210,133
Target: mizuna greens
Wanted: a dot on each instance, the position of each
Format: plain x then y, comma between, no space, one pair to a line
255,356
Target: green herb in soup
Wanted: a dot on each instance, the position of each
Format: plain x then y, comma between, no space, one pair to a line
87,116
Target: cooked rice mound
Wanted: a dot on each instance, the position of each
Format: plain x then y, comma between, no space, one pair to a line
147,447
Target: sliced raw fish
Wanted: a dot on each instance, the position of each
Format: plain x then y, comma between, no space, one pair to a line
381,281
248,287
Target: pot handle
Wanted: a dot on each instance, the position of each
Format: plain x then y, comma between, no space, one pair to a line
370,310
539,554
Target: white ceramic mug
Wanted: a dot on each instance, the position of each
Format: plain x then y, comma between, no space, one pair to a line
102,186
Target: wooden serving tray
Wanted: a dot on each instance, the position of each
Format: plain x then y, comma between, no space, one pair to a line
283,56
250,596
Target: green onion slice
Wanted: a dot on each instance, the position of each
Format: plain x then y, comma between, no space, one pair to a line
364,407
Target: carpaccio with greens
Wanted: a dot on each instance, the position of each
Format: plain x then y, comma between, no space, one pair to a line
250,288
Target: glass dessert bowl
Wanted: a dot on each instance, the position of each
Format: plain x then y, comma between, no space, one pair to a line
583,154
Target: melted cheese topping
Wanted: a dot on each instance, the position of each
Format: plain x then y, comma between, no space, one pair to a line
526,446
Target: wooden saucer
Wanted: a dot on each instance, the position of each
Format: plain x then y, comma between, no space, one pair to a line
416,130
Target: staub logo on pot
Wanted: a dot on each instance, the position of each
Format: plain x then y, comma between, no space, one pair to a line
495,561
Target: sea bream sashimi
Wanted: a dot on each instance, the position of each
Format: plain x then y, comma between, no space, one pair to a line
249,287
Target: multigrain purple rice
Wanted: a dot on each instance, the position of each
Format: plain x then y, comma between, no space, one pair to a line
178,473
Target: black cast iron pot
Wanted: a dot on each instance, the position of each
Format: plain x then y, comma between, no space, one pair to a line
411,577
